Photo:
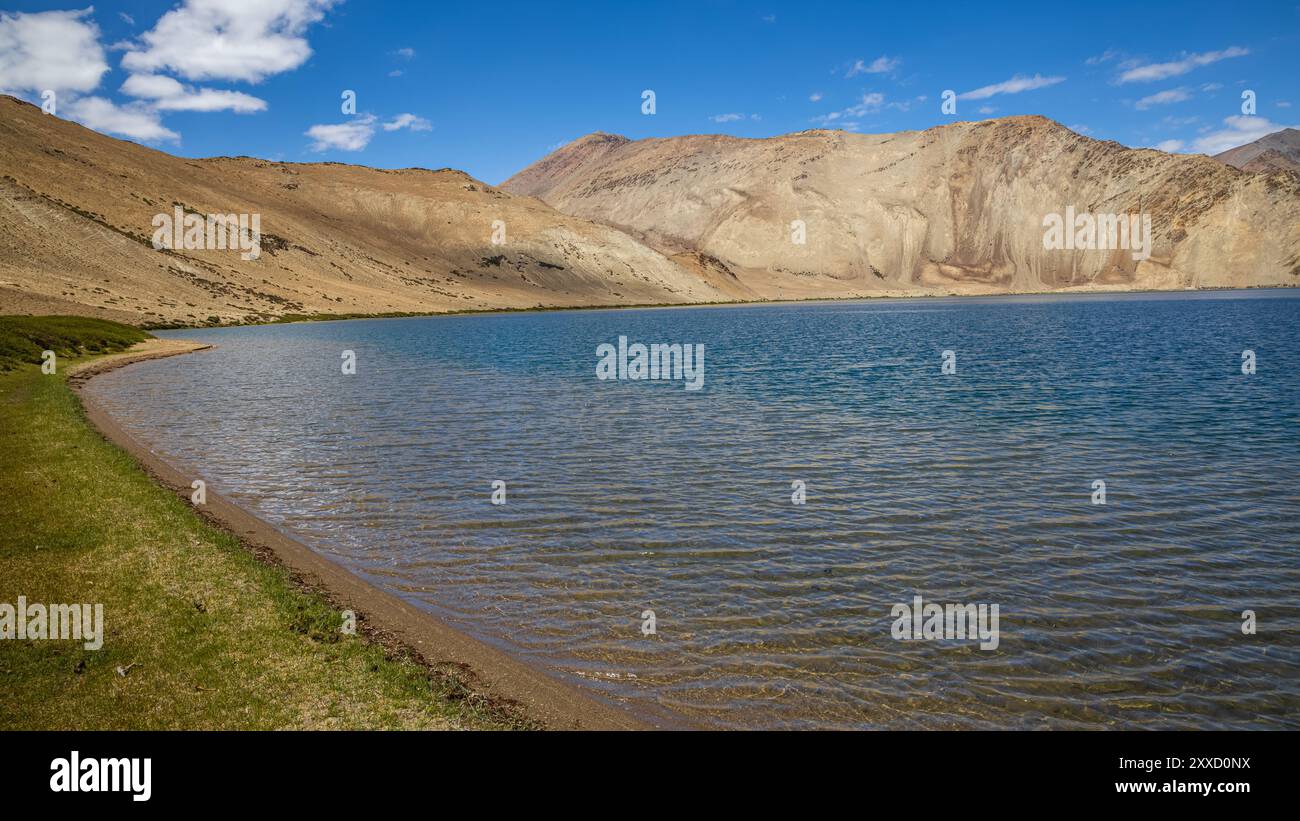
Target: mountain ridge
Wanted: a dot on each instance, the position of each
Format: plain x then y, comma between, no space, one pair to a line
76,212
1279,151
958,208
608,221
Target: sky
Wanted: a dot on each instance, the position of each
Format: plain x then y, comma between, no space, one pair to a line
490,87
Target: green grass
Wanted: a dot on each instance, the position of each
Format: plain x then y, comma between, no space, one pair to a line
209,636
24,338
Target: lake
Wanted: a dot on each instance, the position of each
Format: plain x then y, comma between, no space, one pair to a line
629,497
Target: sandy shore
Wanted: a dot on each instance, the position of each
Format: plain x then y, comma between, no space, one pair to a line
494,674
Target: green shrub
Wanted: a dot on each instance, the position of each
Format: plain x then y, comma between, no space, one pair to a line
24,338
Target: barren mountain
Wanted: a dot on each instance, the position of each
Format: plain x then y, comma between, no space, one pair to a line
1279,151
608,221
959,208
76,229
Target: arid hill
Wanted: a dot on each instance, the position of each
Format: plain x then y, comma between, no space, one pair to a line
76,224
955,209
608,221
1279,151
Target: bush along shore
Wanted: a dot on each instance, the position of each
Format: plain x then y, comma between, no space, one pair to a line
193,630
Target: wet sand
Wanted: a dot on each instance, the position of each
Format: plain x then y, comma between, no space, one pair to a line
384,617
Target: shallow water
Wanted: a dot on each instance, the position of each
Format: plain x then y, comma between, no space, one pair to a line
976,487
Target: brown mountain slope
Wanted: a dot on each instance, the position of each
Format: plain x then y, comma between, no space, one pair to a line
1270,161
1279,151
955,209
76,211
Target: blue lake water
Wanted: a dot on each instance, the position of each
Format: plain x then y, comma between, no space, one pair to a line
972,487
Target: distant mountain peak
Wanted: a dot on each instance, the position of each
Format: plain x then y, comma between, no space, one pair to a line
601,137
1279,151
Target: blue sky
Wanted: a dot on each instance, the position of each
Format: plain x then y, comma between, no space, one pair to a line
491,87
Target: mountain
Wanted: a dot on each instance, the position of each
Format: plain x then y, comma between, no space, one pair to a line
958,208
1279,151
76,230
610,221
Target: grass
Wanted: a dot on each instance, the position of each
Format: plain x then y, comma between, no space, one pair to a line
208,636
23,339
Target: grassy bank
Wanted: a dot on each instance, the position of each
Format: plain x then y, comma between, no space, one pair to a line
24,338
198,633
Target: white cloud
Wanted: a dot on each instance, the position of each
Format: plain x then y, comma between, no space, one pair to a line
1240,130
57,50
905,105
167,94
350,136
126,18
986,109
1169,146
880,65
1162,71
218,39
1211,86
212,99
405,53
815,97
235,39
397,72
1283,103
1173,95
726,118
152,85
1015,85
135,121
1079,128
408,121
869,103
1106,56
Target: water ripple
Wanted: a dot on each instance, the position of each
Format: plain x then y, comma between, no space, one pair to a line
970,488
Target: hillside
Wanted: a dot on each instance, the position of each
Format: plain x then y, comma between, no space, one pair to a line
954,209
76,211
1279,151
606,221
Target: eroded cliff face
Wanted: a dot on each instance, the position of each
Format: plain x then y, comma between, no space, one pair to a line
954,209
76,225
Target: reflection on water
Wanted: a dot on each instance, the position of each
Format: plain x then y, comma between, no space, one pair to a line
625,496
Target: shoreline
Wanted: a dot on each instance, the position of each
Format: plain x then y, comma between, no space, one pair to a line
383,617
292,319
